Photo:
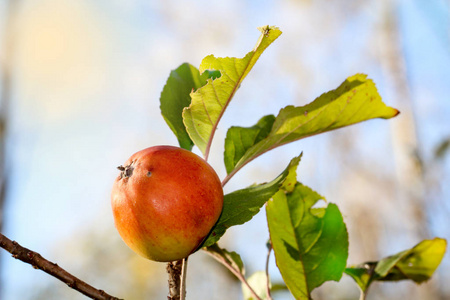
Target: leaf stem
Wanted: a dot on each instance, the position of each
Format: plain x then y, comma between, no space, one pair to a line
236,273
228,177
269,296
362,296
236,169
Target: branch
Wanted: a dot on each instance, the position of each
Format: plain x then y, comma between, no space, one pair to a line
38,262
175,270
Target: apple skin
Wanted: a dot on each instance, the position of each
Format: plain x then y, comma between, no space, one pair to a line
165,202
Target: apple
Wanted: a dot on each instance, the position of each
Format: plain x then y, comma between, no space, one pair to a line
165,201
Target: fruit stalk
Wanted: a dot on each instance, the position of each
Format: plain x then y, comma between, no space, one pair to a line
183,279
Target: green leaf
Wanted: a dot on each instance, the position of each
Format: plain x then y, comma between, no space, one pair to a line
175,96
258,282
209,102
362,275
240,139
231,259
417,264
355,100
310,244
240,206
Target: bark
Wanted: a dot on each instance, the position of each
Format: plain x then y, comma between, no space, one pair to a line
174,269
38,262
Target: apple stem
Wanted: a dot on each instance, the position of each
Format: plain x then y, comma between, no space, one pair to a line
183,279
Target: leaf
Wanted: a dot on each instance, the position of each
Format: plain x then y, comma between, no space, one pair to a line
232,259
362,275
258,282
355,100
310,245
209,102
417,264
240,206
176,95
240,139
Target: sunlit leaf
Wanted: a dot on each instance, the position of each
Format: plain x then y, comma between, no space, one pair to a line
209,102
176,95
417,264
310,244
355,100
240,206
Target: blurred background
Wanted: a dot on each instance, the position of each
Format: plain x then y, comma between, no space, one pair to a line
80,84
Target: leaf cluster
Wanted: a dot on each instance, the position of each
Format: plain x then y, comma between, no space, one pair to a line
310,242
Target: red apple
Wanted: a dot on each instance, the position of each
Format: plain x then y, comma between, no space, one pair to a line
165,202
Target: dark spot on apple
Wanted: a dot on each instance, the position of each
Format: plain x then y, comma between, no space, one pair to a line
149,174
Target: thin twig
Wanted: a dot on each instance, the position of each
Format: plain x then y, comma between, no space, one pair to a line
236,273
183,279
39,262
269,296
